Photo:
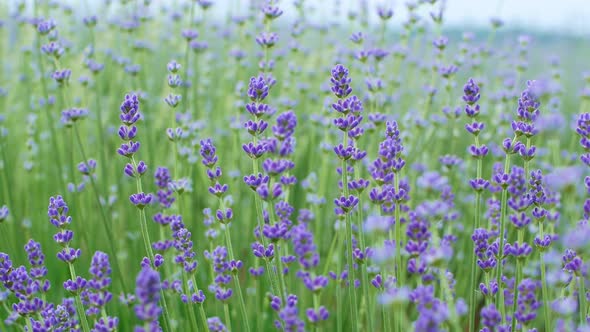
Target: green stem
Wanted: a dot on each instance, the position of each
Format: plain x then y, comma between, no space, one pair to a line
545,291
476,224
105,222
503,208
78,301
364,273
386,319
583,301
330,253
515,291
148,248
348,242
449,297
191,312
227,316
282,286
201,309
259,217
29,325
398,251
49,118
236,280
316,306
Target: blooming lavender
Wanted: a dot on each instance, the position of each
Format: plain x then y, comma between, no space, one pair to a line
348,109
96,296
224,215
411,202
127,132
147,291
471,96
58,216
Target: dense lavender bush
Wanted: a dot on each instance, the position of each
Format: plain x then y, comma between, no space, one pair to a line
244,166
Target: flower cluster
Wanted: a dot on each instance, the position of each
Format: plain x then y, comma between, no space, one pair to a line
128,132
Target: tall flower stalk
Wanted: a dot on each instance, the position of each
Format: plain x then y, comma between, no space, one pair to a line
348,109
224,215
478,152
58,216
128,132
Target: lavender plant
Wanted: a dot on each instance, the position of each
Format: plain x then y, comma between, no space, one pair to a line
430,229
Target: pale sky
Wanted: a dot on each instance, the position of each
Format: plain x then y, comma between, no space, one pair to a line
545,15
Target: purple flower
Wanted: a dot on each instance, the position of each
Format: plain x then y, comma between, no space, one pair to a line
470,94
346,204
58,212
90,21
61,76
53,49
4,213
96,295
69,255
340,82
70,116
87,168
189,35
37,260
45,27
147,291
572,263
316,316
385,13
271,12
267,39
288,314
490,317
75,286
527,303
141,200
304,246
215,325
106,324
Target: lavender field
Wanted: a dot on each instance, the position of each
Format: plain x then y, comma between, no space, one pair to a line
289,165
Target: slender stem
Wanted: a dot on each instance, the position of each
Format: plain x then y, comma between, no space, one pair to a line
472,293
545,291
386,319
191,312
29,325
348,242
259,217
547,312
148,248
282,286
201,309
105,222
515,291
398,250
79,307
340,317
316,306
236,280
49,118
449,297
582,294
330,253
503,208
364,273
99,120
5,171
227,316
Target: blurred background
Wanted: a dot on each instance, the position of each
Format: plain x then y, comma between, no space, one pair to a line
549,16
